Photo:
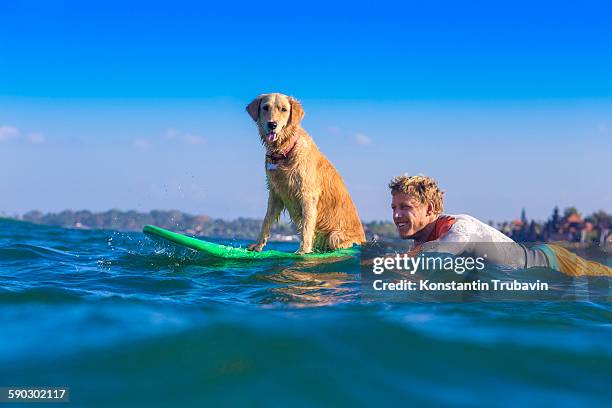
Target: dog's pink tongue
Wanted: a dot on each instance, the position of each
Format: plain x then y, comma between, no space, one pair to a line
271,137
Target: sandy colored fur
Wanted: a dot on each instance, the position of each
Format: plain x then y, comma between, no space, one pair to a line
306,184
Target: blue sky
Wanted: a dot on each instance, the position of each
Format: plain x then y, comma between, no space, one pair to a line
141,106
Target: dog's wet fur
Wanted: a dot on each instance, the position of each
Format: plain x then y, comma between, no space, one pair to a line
301,180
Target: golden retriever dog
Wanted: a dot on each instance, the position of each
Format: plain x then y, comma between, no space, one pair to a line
301,180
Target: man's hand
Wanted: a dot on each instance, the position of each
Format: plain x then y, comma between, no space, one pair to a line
257,247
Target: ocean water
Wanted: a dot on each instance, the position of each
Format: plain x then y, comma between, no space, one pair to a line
127,322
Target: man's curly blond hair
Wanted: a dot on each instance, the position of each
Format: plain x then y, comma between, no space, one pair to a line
422,187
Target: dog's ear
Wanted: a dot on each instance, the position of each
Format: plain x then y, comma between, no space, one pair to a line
297,113
253,108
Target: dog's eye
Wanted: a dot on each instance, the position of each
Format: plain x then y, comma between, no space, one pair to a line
284,109
266,108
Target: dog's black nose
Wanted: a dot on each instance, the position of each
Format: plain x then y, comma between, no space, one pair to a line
271,125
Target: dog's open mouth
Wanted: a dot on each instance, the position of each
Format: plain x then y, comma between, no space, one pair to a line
272,137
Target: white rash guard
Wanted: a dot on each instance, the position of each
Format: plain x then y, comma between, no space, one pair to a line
467,235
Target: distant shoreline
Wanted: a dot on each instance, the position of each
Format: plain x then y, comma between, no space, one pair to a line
569,226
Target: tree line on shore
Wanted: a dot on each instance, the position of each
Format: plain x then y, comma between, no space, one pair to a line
567,226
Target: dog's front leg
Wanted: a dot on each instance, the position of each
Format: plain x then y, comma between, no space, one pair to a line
309,222
275,207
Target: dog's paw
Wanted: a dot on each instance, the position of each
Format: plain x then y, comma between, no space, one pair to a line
255,247
303,251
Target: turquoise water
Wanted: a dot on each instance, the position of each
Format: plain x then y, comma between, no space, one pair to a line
124,321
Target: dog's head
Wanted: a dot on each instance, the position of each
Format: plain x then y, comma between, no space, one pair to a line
277,116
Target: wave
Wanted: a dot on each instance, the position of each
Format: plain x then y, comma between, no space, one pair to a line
345,355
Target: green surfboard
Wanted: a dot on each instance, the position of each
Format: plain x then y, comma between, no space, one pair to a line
229,252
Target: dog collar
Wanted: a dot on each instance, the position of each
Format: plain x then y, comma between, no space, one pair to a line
283,155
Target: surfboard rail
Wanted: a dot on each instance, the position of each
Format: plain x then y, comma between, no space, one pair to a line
230,252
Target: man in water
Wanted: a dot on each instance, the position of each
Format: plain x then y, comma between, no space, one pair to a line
418,203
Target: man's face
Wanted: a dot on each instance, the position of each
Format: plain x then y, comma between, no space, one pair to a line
409,214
